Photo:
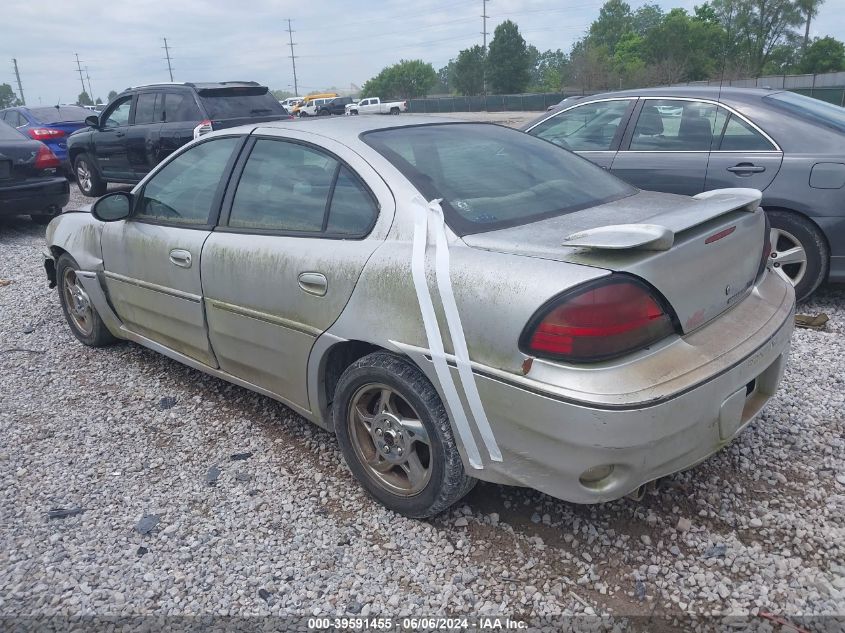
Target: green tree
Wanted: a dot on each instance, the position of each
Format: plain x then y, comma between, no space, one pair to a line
84,99
112,94
99,101
682,48
444,79
551,71
823,55
8,98
590,65
646,18
405,80
614,21
809,9
467,76
628,62
508,60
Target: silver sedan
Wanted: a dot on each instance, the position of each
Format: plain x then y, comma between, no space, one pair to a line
455,301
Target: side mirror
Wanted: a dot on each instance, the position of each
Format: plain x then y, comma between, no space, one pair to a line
92,121
112,207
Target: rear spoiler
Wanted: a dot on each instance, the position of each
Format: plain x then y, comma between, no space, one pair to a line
660,235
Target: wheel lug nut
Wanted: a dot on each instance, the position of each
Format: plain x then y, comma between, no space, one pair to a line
386,448
398,451
379,432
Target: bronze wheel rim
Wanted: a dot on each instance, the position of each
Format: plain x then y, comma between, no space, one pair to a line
77,302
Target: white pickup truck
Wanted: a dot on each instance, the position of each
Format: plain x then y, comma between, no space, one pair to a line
374,105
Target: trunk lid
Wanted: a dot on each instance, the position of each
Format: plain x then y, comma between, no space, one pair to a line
702,254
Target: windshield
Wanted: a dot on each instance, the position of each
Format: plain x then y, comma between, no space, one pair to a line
810,109
234,103
61,114
491,177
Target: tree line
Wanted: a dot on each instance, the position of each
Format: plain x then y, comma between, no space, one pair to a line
623,48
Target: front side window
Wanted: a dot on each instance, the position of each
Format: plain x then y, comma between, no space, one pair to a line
293,188
492,177
588,127
741,137
183,191
118,116
667,125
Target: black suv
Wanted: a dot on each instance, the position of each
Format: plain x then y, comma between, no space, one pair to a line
335,106
144,125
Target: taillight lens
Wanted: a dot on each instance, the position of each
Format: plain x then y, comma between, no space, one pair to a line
767,248
203,128
45,159
600,320
45,133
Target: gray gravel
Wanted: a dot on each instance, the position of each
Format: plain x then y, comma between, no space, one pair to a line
138,449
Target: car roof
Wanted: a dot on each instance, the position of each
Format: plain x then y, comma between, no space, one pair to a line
344,128
702,92
201,85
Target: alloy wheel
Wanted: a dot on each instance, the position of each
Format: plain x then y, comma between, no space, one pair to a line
77,301
788,257
390,440
83,175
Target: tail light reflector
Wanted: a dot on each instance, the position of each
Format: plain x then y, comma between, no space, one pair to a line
203,128
45,159
597,321
45,133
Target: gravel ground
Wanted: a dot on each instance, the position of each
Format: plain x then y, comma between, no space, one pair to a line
123,435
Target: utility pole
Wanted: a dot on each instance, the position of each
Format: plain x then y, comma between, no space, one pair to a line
79,70
18,77
293,61
90,92
484,17
167,56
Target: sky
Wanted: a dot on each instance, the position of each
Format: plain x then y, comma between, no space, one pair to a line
337,42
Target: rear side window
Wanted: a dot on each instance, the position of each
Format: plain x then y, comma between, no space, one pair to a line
180,106
492,177
182,192
234,103
293,188
148,108
809,109
739,136
8,133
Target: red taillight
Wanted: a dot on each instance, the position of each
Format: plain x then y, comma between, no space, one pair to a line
601,320
45,133
203,128
45,159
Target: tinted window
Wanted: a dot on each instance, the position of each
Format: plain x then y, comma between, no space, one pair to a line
8,133
119,114
491,177
352,210
739,136
809,109
148,107
232,103
13,118
180,106
61,114
665,125
183,191
284,186
591,126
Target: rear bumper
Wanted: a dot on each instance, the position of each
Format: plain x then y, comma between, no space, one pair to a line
549,443
38,196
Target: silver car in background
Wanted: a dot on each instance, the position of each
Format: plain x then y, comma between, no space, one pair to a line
456,301
692,139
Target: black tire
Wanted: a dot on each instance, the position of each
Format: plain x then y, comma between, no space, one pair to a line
796,227
353,112
93,186
448,481
323,113
394,110
98,335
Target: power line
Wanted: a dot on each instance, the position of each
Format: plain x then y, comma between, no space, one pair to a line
484,17
167,56
79,70
293,60
88,77
18,77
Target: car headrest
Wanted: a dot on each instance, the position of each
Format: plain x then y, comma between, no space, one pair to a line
695,130
650,123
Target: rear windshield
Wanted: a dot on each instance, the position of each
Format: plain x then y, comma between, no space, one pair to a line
61,114
810,109
8,133
492,177
234,103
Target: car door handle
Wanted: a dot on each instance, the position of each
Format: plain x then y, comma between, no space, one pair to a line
314,283
119,134
747,168
180,257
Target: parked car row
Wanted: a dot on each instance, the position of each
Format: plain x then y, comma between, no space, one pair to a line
602,336
51,125
695,139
